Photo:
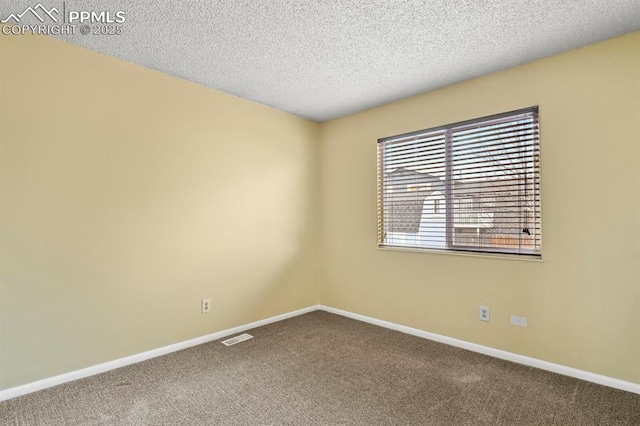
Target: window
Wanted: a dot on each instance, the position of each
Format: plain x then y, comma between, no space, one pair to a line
470,186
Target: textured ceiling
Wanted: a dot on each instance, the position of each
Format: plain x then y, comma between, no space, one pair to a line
323,59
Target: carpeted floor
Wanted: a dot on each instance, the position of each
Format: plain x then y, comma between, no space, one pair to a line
324,369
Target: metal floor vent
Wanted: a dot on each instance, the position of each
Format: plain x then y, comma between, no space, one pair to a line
237,339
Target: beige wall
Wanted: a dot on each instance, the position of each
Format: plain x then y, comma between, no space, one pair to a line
127,196
583,300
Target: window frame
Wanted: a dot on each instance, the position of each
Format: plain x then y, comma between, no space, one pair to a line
448,181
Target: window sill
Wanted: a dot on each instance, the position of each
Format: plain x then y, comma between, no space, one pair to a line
524,257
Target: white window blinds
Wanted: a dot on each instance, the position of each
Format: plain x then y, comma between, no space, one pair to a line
471,186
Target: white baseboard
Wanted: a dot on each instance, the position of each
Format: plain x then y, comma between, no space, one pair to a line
112,365
496,353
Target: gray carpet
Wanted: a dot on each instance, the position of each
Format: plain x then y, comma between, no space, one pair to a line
324,369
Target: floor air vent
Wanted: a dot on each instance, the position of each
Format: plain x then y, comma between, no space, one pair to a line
237,339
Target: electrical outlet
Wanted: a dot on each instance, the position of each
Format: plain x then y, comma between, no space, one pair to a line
485,313
519,321
205,306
